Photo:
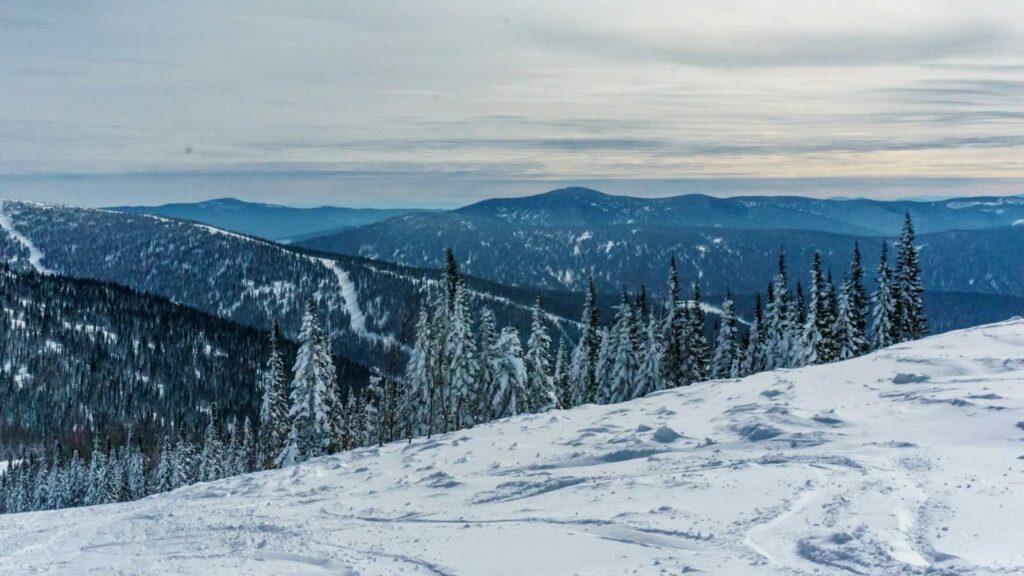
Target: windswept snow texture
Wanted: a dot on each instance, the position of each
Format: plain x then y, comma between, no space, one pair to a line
867,472
35,256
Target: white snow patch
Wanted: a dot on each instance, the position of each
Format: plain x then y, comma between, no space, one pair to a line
35,256
350,300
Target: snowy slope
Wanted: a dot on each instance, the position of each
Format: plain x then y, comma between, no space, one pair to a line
905,461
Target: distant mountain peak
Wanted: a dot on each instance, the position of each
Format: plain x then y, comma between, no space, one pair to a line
575,192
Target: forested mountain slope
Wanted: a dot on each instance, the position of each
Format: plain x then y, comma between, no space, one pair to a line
79,356
554,257
370,307
905,461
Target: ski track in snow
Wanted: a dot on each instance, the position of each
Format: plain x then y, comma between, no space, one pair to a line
35,256
350,298
907,461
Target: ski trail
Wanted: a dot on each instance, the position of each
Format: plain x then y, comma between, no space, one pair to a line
795,506
350,298
35,255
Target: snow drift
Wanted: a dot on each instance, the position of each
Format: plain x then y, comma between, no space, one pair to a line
905,461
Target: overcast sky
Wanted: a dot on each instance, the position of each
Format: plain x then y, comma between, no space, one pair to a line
441,103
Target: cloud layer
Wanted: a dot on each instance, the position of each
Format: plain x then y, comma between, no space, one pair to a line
412,95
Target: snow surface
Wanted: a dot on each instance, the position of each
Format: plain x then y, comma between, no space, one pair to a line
906,461
35,255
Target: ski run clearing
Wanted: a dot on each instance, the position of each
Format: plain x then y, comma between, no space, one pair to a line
905,461
35,256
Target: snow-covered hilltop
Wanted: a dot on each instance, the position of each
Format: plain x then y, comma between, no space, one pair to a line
905,461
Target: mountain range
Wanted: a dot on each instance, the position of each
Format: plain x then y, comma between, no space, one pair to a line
560,239
271,221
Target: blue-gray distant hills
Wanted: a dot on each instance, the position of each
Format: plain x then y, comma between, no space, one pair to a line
556,240
270,221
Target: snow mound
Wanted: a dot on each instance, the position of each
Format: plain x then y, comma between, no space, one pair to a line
851,468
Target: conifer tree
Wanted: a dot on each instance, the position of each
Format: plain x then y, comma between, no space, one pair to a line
510,396
726,345
858,298
698,358
816,327
561,374
312,430
850,341
648,378
416,394
623,364
488,364
163,475
674,333
582,374
463,369
777,320
540,383
884,321
912,324
273,417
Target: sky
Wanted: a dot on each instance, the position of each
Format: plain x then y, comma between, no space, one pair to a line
446,102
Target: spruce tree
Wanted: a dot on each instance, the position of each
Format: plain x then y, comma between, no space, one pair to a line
488,348
778,321
582,374
674,333
540,381
858,298
510,396
850,340
312,430
816,328
623,362
463,369
416,392
561,374
273,417
648,378
912,323
698,358
726,350
884,321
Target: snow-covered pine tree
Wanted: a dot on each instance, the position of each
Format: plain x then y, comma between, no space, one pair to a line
134,470
510,397
273,417
620,382
605,364
753,350
698,358
674,333
561,379
815,327
831,344
777,320
211,458
185,469
463,369
312,431
726,350
582,372
163,474
883,306
97,492
912,323
858,297
648,378
375,432
416,391
850,340
540,382
488,348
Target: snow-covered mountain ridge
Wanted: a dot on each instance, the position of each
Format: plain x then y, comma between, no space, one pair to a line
905,461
